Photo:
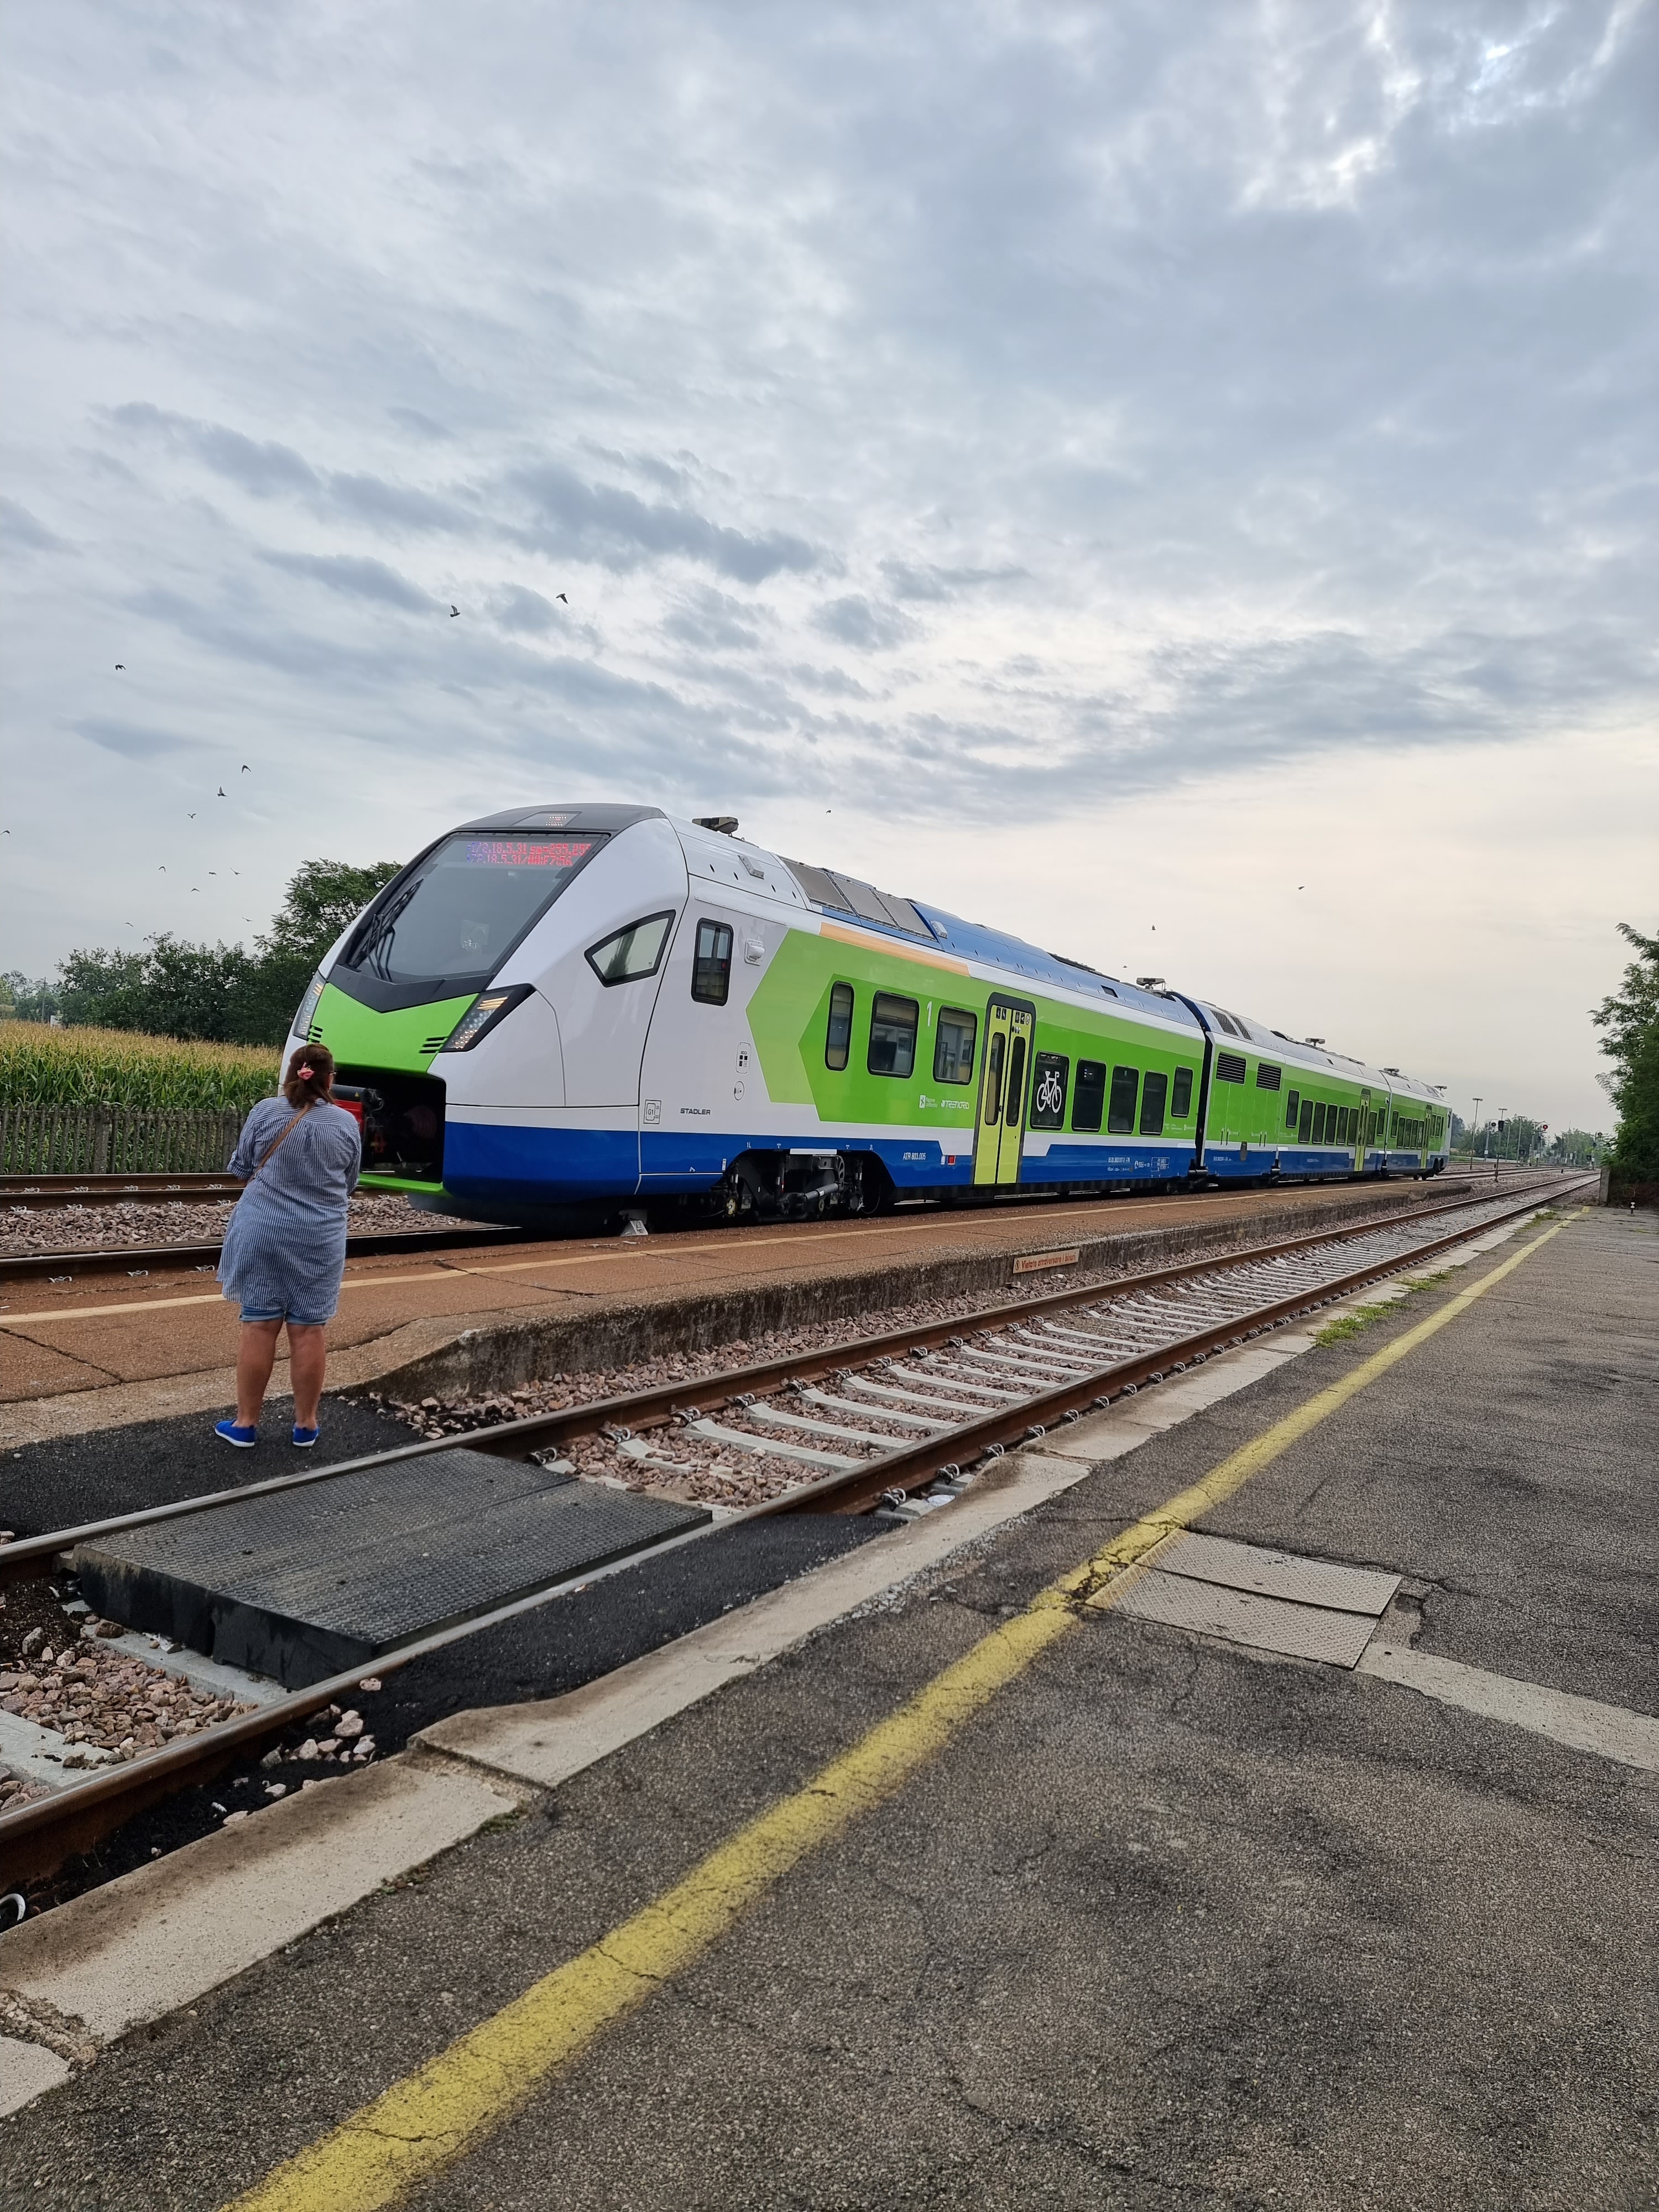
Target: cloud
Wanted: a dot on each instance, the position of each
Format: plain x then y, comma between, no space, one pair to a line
990,419
868,628
132,741
603,523
356,577
261,467
26,530
527,612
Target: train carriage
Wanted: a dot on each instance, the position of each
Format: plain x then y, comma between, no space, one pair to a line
586,1005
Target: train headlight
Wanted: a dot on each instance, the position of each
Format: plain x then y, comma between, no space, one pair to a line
309,1006
482,1016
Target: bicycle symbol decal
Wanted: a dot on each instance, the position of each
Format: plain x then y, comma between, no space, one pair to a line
1051,1093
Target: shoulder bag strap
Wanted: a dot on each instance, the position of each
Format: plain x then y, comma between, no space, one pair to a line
279,1141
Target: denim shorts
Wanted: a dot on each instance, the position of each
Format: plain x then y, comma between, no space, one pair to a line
299,1319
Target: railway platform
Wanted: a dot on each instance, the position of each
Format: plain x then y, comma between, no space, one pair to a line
1244,1794
87,1351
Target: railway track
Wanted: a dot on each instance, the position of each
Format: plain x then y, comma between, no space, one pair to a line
905,1421
63,1267
48,1192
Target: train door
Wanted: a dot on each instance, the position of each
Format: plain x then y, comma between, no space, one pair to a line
1009,1025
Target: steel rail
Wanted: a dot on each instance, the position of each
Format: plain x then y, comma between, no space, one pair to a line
522,1438
366,1244
37,1837
44,1193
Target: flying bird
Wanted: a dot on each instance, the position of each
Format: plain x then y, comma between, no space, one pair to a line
246,770
453,611
561,595
221,791
120,667
164,867
213,872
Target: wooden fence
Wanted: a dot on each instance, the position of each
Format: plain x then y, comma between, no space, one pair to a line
114,1140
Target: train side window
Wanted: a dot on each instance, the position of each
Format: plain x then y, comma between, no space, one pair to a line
631,953
1180,1098
1292,1107
838,1038
1089,1099
1016,1105
1048,1084
1120,1114
892,1035
1152,1094
1304,1130
953,1047
993,1079
711,965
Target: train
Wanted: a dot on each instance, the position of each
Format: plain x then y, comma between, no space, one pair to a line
603,1006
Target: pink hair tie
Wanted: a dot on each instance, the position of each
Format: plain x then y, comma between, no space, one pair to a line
306,1074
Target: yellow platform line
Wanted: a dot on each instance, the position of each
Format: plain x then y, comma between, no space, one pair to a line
807,1241
807,1238
423,2123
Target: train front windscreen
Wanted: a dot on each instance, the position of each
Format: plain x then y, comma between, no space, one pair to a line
463,908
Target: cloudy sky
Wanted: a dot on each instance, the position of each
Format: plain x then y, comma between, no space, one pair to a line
1176,481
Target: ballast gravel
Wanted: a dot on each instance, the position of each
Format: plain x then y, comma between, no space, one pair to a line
702,1471
115,1225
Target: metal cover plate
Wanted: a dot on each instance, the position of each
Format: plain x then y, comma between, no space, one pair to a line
301,1583
1265,1624
1278,1574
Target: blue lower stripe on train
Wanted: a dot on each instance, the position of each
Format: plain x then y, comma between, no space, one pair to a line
509,1163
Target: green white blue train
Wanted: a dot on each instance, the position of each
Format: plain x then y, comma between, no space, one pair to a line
595,1006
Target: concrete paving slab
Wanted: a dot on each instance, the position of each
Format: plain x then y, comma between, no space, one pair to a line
164,1936
28,2070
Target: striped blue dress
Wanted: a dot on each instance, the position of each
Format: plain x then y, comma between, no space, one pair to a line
284,1249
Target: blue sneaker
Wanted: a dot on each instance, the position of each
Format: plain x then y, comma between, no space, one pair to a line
304,1438
244,1439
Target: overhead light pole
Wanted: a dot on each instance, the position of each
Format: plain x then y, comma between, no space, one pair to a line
1474,1132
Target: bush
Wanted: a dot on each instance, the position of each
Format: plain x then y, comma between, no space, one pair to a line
45,1066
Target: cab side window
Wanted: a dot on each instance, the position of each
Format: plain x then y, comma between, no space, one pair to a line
1292,1108
711,964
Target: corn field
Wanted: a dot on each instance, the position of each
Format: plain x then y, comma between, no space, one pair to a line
42,1067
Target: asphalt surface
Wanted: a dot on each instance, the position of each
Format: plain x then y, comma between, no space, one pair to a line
1169,1925
71,1479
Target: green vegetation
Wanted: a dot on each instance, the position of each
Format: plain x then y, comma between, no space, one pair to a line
41,1066
1629,1023
217,993
1350,1324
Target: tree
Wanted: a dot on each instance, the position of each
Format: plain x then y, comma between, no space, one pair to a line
171,989
220,993
1629,1021
28,1001
322,899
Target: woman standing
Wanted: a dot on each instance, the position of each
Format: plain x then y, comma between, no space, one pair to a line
284,1249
